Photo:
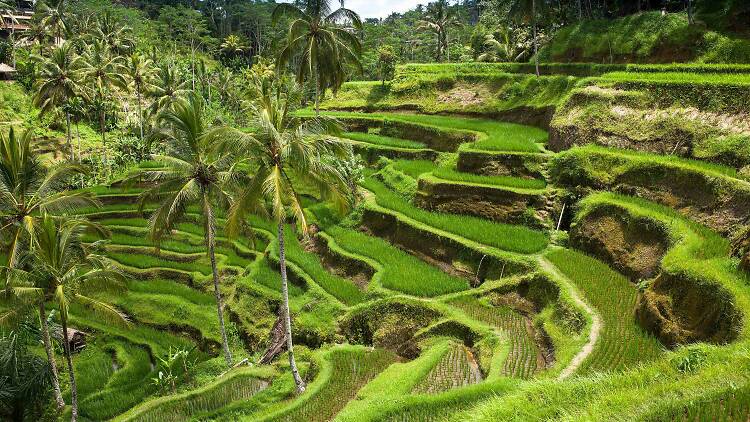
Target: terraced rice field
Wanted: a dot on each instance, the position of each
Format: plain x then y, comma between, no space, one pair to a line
524,355
457,368
623,343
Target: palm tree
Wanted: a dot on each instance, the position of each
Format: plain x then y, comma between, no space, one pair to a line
29,189
323,47
529,11
118,37
60,269
284,151
233,45
141,72
500,48
438,18
190,173
54,18
103,71
167,88
36,34
60,81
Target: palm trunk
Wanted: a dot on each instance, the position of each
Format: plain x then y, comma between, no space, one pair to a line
104,140
317,95
50,355
210,228
140,111
536,41
287,318
69,359
78,135
70,144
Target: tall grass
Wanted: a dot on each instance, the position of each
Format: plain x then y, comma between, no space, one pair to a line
454,175
385,141
506,237
237,385
457,368
344,290
346,369
493,135
399,271
522,356
622,342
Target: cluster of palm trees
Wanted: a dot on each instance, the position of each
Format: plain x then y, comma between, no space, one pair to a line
47,260
94,67
222,169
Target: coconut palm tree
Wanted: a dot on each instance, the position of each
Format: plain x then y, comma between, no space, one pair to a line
54,18
60,80
103,71
118,37
167,88
500,47
529,12
61,268
29,190
140,73
233,45
190,173
438,18
283,152
323,48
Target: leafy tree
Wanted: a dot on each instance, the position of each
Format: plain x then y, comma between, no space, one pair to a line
438,19
60,80
30,189
191,172
322,48
62,268
386,63
283,152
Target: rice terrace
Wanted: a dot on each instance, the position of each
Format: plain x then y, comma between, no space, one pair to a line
319,210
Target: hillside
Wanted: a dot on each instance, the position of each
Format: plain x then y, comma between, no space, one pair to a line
202,221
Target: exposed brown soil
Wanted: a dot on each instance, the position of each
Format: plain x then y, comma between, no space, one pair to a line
496,204
357,271
443,250
501,164
633,247
679,311
465,95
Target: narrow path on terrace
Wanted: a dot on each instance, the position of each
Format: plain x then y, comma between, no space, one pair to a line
596,321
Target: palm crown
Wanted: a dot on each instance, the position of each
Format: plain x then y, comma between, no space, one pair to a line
324,48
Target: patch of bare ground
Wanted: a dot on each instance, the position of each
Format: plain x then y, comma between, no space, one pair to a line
738,124
465,95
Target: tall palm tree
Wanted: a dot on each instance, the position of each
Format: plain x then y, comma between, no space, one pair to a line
141,73
54,17
529,12
61,268
60,80
438,18
500,47
190,173
103,71
167,88
284,151
118,37
29,190
323,48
